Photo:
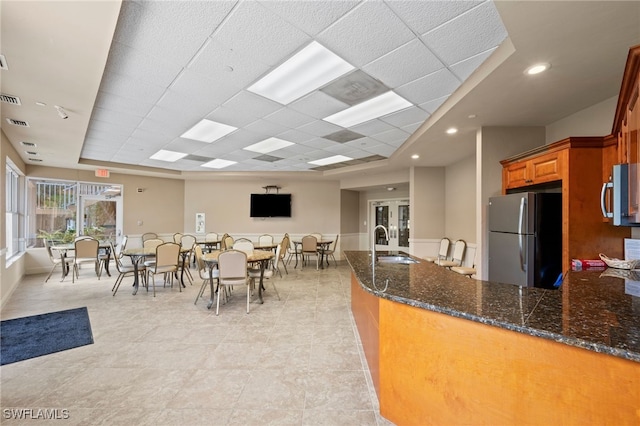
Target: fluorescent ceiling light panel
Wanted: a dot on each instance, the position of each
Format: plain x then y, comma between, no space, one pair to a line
311,68
218,163
268,145
164,155
368,110
208,131
330,160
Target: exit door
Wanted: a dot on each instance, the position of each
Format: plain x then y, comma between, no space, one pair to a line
393,215
101,217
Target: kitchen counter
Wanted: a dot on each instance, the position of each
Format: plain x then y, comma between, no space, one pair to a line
446,349
591,309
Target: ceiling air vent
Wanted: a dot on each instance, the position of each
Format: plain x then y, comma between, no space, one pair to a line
3,63
17,122
9,99
29,144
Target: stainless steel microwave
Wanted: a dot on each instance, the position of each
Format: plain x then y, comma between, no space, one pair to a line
619,196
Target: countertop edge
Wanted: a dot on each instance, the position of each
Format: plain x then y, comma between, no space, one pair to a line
570,341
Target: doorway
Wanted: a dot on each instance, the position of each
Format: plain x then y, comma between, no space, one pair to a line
393,215
101,217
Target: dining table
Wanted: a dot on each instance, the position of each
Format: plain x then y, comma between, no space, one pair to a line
137,255
64,248
209,245
322,247
257,256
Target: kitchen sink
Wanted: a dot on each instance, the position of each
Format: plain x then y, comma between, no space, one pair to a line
406,260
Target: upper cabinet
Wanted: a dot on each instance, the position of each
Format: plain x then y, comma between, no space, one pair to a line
539,169
625,128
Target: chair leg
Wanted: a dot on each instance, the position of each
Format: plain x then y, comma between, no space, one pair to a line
248,298
218,303
51,271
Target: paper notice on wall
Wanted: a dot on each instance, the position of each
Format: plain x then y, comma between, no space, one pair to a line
631,248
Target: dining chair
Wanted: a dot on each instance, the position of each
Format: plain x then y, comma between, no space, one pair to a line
467,270
244,244
330,252
188,241
232,267
269,272
456,259
227,242
124,270
293,250
151,244
210,237
56,259
317,235
148,235
265,240
166,263
177,237
309,248
442,252
204,272
87,251
284,248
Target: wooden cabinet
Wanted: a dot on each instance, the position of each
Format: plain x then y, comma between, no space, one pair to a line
626,127
576,165
533,171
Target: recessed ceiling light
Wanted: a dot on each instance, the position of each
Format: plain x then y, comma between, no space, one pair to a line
391,188
330,160
368,110
415,156
472,116
311,68
41,104
452,131
218,163
208,131
164,155
268,145
537,68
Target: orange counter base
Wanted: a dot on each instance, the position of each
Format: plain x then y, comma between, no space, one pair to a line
437,369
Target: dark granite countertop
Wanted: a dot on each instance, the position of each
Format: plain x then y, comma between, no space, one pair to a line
594,310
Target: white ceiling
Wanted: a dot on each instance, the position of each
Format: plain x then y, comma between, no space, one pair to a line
134,77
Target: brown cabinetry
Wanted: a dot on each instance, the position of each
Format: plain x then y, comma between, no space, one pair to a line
575,164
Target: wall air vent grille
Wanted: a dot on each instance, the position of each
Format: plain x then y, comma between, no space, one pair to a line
9,99
20,123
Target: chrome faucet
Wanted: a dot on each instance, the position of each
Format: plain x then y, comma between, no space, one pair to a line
373,245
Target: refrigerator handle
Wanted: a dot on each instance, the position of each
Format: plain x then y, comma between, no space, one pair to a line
603,194
523,203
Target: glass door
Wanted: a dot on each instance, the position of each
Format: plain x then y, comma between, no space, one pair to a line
100,217
393,215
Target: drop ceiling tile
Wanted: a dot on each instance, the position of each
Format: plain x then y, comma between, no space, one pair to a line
423,16
221,63
433,86
115,117
310,16
171,127
391,136
295,149
289,118
412,127
406,116
352,38
471,33
136,63
169,29
150,138
372,127
112,128
381,149
318,105
229,116
465,68
249,104
169,119
319,143
123,105
197,87
266,128
295,136
405,64
265,37
341,149
432,106
319,128
183,145
182,104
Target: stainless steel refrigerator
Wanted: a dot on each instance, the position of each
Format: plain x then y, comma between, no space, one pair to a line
525,239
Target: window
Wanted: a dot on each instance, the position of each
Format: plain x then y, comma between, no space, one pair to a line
14,212
56,206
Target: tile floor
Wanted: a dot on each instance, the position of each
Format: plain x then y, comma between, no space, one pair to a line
166,361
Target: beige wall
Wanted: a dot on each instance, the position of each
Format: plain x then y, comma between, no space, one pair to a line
597,120
427,195
315,207
460,190
10,273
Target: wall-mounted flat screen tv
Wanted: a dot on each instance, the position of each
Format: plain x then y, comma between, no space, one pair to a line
270,205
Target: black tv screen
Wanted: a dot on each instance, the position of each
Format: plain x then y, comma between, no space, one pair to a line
270,205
